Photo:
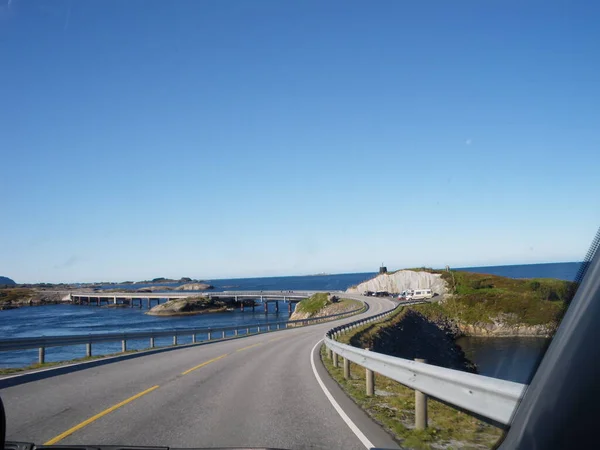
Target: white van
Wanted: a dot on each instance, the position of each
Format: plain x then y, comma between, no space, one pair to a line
416,294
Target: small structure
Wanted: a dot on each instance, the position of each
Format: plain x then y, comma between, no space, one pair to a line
382,269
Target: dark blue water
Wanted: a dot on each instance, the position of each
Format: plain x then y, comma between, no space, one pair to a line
561,271
52,320
508,358
70,319
336,282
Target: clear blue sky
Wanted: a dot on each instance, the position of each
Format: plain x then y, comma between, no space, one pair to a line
247,138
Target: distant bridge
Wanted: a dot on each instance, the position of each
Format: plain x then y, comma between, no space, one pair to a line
139,298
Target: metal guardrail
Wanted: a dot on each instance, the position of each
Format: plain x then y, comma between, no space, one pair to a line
488,397
43,342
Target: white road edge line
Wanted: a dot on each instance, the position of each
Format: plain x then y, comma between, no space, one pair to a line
359,434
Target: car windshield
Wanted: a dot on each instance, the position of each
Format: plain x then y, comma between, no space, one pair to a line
189,255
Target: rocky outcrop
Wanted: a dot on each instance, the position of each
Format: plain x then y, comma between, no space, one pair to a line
415,336
399,281
154,289
188,306
194,287
500,329
17,297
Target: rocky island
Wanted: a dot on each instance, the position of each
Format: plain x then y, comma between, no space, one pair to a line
189,306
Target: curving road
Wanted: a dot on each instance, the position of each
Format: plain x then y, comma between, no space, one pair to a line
256,391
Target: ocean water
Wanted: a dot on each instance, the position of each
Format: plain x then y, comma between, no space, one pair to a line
54,320
562,271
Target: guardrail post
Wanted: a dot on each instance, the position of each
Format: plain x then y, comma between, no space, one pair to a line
152,342
420,406
268,327
247,330
174,339
88,349
209,335
258,329
42,355
335,359
329,353
123,345
193,338
223,336
278,327
370,381
235,332
346,369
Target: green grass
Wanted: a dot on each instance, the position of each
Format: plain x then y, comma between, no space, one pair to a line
313,304
393,408
480,298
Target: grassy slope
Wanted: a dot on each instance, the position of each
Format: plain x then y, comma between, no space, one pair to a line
481,298
313,304
318,302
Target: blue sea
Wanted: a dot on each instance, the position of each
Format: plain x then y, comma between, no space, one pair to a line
54,320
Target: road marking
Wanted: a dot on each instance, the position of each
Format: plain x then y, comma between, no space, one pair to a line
359,434
70,431
204,364
246,348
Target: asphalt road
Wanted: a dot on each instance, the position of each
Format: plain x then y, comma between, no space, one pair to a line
255,391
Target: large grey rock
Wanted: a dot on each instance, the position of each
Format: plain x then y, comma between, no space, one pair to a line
399,281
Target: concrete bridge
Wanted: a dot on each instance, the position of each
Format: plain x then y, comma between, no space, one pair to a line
241,298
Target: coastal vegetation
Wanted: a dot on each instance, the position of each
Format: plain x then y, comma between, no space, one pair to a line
313,304
485,299
323,304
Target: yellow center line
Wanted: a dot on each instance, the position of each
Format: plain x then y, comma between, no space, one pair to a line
246,348
70,431
204,364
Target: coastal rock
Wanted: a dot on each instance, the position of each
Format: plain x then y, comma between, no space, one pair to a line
401,280
155,289
500,329
415,336
194,287
188,306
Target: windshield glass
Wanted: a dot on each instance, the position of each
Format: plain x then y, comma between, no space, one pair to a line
189,253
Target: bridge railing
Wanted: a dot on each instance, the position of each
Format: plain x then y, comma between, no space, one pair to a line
211,333
486,397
